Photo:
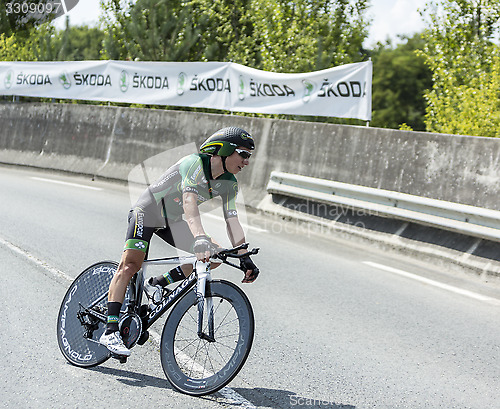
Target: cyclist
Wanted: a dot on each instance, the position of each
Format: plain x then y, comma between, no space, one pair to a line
178,192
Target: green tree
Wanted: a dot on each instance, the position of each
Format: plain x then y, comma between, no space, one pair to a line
150,30
226,31
37,46
400,79
78,43
11,50
45,43
309,35
465,66
24,34
275,35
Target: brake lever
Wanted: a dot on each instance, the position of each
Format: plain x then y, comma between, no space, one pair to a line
223,256
248,253
241,247
229,252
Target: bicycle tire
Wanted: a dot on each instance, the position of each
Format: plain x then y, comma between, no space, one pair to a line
177,351
91,284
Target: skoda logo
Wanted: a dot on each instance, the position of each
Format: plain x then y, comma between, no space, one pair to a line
241,89
124,81
8,79
308,90
181,83
64,80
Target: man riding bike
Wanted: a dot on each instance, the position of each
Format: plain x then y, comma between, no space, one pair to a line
178,192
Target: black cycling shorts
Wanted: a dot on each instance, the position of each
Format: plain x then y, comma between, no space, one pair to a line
141,229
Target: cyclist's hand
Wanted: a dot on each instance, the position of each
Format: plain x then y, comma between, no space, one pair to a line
216,247
250,269
203,248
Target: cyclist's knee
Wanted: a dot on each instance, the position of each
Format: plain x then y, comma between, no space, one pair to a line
130,263
129,269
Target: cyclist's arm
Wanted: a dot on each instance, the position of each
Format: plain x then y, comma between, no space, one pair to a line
235,232
193,219
191,171
192,213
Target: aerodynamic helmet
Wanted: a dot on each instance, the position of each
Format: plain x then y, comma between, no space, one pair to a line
226,140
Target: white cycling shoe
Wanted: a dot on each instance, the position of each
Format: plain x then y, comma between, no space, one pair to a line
114,343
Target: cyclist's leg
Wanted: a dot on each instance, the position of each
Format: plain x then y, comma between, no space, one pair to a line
137,242
139,235
130,263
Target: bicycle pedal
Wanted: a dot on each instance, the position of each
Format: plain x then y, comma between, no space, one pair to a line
121,358
144,337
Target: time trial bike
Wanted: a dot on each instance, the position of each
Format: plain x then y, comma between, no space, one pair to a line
206,337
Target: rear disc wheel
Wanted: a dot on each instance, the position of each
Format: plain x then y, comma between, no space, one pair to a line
78,332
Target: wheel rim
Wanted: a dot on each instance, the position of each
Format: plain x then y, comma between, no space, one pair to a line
184,358
198,358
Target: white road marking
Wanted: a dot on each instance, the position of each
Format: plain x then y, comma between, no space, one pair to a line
60,182
434,283
37,261
228,393
245,226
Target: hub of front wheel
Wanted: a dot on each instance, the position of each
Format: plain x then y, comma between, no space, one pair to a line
206,337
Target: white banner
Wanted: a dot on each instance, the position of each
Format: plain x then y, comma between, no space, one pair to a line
343,92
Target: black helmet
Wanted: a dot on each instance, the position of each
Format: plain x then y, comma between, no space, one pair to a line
226,140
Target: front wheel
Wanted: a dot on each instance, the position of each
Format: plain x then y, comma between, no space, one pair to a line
195,365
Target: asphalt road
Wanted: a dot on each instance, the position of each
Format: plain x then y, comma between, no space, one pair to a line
337,325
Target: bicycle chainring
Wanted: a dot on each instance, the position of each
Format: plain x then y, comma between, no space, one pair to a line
130,329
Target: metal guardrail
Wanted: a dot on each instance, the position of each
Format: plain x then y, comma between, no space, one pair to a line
459,218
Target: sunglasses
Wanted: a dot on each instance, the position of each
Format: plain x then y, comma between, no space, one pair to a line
243,153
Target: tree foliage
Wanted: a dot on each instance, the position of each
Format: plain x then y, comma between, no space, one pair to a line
78,43
274,35
150,30
400,81
45,43
38,46
309,35
465,65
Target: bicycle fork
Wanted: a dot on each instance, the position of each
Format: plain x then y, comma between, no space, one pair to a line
203,271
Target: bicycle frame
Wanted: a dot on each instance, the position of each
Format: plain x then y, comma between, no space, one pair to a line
200,276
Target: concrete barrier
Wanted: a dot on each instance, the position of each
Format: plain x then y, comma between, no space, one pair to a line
110,141
106,141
